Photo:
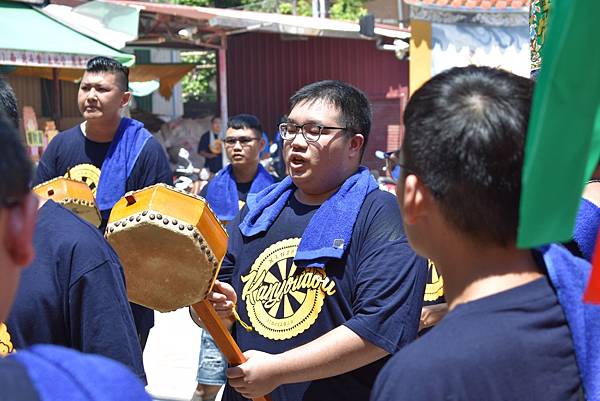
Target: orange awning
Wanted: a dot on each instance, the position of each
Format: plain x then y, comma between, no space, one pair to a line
167,74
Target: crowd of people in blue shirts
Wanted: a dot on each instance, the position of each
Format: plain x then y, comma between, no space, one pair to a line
325,277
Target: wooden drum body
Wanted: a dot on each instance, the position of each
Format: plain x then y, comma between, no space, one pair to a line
171,246
74,195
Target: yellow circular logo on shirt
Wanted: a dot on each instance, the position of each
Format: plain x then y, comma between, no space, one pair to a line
86,173
6,346
283,301
434,288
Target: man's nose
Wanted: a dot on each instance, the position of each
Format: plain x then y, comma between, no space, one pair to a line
92,94
299,141
237,145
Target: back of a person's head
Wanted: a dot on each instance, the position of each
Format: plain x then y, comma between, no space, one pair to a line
465,137
8,102
101,64
15,166
245,121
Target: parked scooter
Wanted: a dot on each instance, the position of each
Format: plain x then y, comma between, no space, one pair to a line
275,164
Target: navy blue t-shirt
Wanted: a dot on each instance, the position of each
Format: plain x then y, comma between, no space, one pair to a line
510,346
15,383
216,163
71,152
73,294
376,290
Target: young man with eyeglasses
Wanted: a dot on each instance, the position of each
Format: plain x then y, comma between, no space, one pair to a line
516,318
42,372
318,264
226,193
243,143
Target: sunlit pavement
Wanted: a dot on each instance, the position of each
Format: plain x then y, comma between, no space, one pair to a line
171,356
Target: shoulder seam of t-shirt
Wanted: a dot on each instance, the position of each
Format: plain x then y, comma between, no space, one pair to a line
89,270
94,232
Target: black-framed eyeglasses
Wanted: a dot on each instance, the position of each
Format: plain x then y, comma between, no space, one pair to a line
310,131
243,140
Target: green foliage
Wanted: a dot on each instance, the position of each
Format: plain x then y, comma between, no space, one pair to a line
303,7
198,84
349,10
197,3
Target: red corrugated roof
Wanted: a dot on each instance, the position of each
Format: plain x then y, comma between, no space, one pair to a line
472,4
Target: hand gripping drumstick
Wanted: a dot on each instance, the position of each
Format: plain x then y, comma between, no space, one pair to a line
221,335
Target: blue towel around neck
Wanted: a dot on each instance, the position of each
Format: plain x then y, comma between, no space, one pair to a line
118,163
587,223
61,374
222,194
329,231
569,276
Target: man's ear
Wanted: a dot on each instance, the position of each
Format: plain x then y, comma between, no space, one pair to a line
356,144
125,98
262,143
415,200
21,226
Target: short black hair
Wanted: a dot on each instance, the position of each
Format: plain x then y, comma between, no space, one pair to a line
246,121
354,107
8,102
15,166
465,137
106,64
213,118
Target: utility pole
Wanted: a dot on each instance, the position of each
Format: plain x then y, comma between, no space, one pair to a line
319,8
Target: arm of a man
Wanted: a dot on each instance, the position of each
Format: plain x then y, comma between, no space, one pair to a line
337,352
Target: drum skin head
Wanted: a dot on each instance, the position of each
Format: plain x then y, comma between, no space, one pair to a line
170,261
74,195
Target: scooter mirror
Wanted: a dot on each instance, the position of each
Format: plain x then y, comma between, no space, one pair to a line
380,154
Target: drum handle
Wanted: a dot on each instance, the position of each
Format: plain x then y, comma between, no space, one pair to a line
222,337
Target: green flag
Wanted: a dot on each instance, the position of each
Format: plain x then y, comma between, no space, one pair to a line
563,142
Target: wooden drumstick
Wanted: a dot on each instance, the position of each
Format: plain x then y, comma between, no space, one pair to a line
221,335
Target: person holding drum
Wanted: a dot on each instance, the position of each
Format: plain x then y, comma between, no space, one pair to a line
110,153
226,194
74,285
42,372
318,265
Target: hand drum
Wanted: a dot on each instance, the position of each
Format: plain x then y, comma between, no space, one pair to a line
74,195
